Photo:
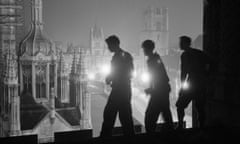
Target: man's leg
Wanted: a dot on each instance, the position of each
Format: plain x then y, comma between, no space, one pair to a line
125,117
167,116
200,106
109,116
180,114
151,116
166,112
182,103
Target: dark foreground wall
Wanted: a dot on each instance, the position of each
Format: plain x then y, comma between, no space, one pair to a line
222,42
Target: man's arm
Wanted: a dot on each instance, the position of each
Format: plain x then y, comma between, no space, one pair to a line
184,66
151,70
130,64
109,77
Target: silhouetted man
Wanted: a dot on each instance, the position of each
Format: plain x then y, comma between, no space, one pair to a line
119,101
194,65
159,90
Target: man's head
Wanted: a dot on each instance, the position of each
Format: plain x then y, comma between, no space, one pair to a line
148,47
185,42
113,43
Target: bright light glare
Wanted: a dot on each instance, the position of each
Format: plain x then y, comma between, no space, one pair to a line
145,77
106,69
91,76
185,85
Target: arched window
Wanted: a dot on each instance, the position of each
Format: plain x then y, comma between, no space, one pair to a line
27,78
41,81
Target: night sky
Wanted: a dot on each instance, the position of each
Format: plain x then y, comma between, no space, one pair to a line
71,20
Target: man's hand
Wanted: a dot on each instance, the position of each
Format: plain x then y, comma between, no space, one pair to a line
148,91
182,92
108,80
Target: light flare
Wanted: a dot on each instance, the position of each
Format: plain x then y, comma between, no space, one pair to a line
91,76
185,85
145,77
106,69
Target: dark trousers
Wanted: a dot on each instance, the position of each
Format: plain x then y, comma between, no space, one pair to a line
157,106
119,102
196,95
200,104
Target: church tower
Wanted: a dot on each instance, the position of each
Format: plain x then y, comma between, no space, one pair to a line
156,28
97,43
38,65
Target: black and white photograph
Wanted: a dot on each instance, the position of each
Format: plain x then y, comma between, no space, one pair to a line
119,71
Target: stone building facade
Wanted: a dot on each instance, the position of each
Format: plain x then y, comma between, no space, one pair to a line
37,91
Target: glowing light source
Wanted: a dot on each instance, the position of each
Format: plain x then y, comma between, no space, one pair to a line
145,77
185,85
91,76
105,69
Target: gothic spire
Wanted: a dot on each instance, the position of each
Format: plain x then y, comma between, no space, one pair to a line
80,65
62,65
74,63
37,12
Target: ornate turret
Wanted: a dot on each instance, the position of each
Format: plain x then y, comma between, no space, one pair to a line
83,95
38,65
74,65
80,65
10,23
73,80
63,81
11,97
36,41
79,84
62,69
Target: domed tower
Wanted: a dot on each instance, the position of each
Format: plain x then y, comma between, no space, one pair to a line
38,62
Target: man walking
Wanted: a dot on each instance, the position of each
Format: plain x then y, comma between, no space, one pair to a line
194,66
119,101
159,90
